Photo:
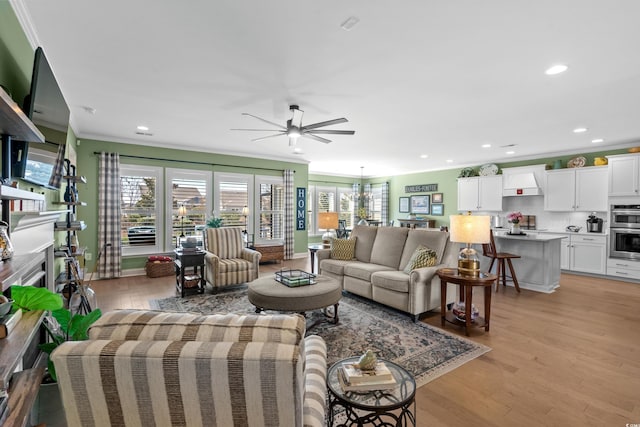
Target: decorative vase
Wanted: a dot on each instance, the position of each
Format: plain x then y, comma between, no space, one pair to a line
515,228
6,247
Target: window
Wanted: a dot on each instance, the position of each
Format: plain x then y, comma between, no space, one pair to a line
190,189
232,195
270,208
141,198
330,199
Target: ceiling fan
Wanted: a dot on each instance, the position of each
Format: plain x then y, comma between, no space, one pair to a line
294,128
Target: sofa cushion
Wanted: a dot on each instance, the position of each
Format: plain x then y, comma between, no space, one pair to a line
422,257
149,325
362,270
226,242
335,266
434,239
397,281
366,236
343,249
388,246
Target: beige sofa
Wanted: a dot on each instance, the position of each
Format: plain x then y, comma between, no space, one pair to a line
376,272
149,368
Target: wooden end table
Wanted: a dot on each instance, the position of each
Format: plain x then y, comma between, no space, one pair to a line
466,283
185,260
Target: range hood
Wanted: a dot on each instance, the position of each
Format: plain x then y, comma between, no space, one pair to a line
523,181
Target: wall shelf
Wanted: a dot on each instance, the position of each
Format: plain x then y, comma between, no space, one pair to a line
16,124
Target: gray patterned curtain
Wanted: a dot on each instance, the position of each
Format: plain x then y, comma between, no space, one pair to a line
109,215
385,203
58,168
288,214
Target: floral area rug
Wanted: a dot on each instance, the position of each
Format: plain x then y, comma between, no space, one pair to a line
423,350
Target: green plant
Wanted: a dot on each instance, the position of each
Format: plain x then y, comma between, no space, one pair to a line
61,325
214,222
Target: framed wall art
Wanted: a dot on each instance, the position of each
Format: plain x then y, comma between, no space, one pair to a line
437,209
436,198
404,205
420,204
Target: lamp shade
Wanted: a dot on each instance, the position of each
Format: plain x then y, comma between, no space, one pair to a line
245,211
182,210
470,228
327,220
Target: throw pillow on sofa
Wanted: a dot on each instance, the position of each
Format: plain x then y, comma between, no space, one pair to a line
422,257
343,249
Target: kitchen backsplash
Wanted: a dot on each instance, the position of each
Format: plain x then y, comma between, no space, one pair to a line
534,205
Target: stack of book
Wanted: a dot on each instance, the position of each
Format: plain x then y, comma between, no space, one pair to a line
355,379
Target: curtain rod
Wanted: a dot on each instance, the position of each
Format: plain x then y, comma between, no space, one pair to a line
193,162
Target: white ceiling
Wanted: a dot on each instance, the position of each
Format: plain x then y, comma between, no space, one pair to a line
415,77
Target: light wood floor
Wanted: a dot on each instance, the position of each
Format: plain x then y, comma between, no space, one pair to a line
571,358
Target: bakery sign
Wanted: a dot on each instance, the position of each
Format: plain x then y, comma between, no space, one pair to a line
423,188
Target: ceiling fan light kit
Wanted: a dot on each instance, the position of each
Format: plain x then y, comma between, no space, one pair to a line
295,129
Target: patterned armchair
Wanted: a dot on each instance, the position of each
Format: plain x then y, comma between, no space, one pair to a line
228,261
142,368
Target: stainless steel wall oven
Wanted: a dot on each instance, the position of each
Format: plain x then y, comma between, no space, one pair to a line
624,230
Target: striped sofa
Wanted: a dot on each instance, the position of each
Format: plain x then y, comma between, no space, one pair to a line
148,368
228,261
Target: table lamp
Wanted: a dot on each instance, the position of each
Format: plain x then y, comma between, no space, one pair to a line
328,221
469,229
182,211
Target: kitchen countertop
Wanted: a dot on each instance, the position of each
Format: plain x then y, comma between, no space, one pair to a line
545,237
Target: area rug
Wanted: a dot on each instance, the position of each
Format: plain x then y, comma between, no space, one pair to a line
425,351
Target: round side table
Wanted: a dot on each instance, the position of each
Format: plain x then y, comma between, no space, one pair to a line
396,406
466,283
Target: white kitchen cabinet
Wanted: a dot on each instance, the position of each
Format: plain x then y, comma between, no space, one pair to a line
624,175
480,193
623,268
588,254
576,189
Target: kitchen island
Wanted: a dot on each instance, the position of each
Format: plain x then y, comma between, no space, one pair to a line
538,269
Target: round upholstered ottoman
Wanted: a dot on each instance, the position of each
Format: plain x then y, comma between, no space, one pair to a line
268,294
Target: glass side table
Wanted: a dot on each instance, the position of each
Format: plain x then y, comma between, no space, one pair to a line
379,407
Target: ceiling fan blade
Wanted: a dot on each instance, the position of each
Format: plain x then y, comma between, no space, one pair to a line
296,118
317,138
334,132
327,123
259,130
266,121
270,136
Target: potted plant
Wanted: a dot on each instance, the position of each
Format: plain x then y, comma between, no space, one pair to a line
61,324
214,222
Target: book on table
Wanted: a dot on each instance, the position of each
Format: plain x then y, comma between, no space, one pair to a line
355,375
370,385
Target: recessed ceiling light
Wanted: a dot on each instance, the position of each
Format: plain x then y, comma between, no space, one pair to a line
423,156
449,161
510,152
556,69
579,130
486,145
597,140
143,128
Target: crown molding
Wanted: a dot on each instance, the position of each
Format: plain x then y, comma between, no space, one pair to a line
24,17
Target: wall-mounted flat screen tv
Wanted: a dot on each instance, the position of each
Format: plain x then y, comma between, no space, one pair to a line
45,105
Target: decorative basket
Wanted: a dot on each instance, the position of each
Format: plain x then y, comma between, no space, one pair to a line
159,266
191,281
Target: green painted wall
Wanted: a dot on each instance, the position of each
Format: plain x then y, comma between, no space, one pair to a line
16,55
87,165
